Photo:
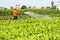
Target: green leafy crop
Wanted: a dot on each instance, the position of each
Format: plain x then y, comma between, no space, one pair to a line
30,29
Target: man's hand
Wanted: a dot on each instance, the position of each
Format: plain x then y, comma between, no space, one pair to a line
18,12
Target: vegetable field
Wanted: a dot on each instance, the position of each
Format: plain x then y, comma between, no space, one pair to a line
29,28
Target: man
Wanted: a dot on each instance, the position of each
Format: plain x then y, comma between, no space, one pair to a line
15,14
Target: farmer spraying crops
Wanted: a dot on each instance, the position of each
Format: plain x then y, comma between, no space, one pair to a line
15,14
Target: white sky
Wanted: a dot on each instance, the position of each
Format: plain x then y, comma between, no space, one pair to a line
8,3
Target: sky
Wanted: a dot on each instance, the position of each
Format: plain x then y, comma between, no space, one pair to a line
8,3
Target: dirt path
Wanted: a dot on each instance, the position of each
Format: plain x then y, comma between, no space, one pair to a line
35,15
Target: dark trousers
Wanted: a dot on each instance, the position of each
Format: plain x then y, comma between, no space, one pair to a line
15,17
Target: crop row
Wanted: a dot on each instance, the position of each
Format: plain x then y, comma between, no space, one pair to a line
39,11
30,29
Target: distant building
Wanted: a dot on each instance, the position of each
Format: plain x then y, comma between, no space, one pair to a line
17,6
34,7
57,4
38,7
1,8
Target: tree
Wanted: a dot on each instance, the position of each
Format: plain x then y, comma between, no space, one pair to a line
54,7
52,3
29,6
11,7
23,7
48,7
